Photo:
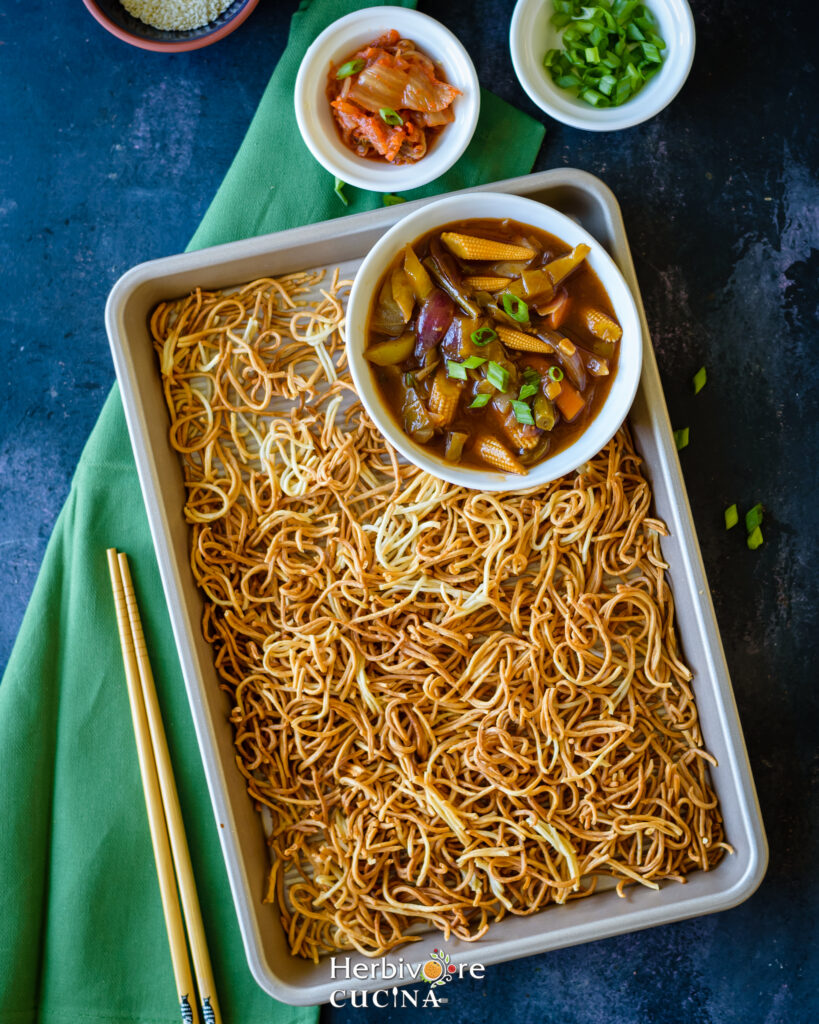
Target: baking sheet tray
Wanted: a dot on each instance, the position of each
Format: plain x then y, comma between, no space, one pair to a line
239,826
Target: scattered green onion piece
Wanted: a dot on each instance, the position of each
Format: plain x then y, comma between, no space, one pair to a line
531,376
555,374
337,188
523,414
731,517
681,438
483,336
392,200
352,67
700,378
527,391
515,307
754,538
473,362
753,518
456,370
497,375
480,400
390,116
410,381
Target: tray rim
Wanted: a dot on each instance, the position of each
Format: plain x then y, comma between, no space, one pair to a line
683,526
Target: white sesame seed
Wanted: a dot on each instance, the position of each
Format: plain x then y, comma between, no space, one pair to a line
176,15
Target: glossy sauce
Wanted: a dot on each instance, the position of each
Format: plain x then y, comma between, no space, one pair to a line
585,292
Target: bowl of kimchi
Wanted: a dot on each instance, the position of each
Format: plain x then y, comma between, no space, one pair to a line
387,99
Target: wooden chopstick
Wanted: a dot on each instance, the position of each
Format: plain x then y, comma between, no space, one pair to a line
153,802
164,813
173,812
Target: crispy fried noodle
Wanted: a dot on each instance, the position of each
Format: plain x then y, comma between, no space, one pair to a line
456,706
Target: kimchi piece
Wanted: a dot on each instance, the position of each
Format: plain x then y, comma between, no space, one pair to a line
389,100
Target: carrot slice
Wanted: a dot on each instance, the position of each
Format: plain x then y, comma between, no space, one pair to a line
569,401
559,314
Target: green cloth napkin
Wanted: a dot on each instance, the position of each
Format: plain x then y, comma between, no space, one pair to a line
82,937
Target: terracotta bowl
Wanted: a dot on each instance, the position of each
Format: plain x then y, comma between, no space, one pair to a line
113,17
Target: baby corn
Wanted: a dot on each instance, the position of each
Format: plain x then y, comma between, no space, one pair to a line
519,434
602,326
487,284
443,397
495,454
469,247
520,341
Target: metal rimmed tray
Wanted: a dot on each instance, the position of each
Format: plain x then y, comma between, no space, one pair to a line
345,241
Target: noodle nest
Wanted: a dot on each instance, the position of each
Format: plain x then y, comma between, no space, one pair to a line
455,706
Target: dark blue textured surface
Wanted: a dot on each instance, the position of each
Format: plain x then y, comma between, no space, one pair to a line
110,156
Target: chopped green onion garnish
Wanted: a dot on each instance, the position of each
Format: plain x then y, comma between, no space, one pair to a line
515,307
339,185
531,376
483,336
593,97
456,370
352,67
480,400
523,414
473,362
753,518
409,381
754,538
497,375
700,377
681,438
652,53
731,517
555,373
607,84
609,50
527,391
392,200
390,116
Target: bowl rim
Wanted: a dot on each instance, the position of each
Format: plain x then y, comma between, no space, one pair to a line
176,46
486,204
681,44
430,35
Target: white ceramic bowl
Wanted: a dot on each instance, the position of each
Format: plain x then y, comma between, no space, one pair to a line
315,120
532,34
495,205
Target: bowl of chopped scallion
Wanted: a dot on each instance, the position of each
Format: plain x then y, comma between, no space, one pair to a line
602,64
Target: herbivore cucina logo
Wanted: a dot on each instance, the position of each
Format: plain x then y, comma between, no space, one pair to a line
434,971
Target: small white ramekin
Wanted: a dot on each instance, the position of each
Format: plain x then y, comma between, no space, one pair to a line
532,34
315,119
495,205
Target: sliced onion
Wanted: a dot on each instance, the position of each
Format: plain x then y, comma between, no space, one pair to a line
433,321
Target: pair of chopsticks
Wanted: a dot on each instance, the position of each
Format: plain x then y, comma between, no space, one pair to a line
173,860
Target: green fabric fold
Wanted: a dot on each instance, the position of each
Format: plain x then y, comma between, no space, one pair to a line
82,936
